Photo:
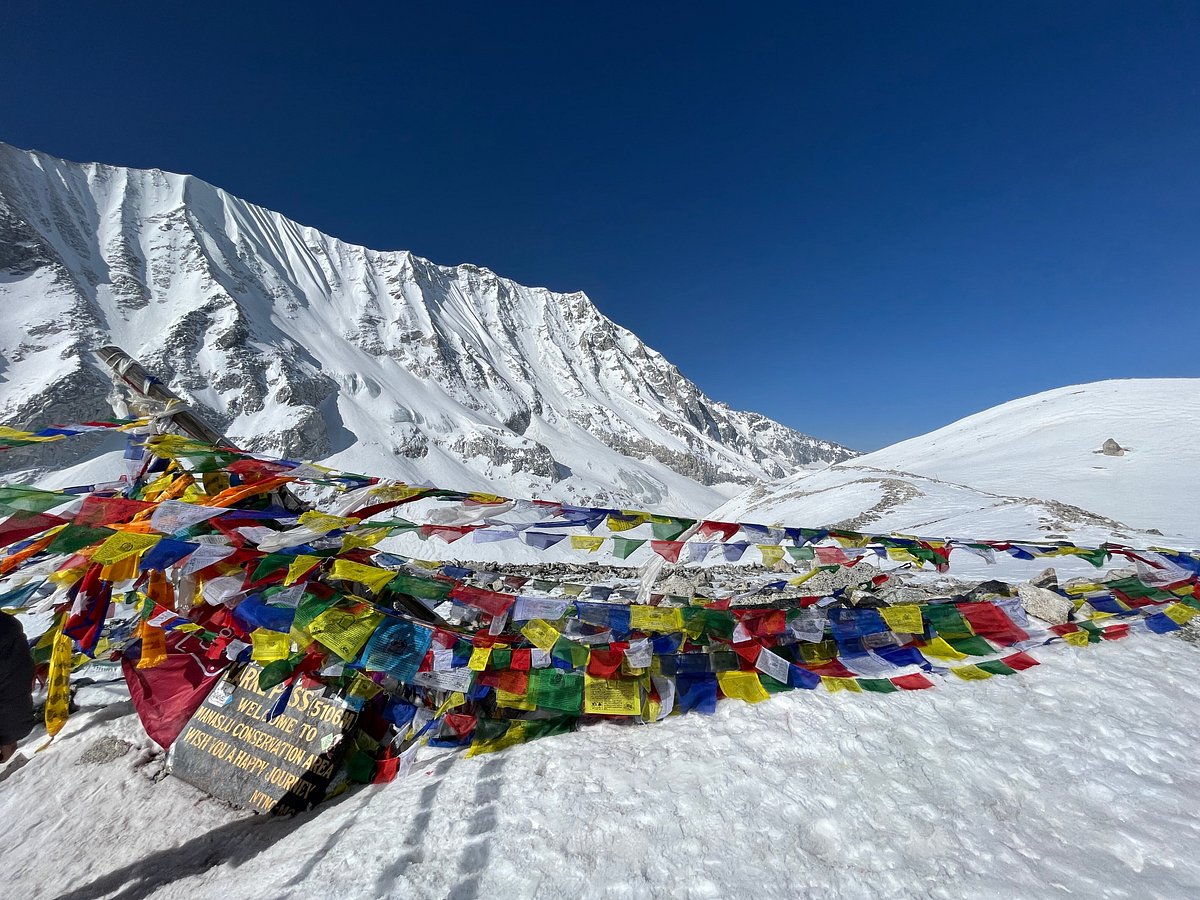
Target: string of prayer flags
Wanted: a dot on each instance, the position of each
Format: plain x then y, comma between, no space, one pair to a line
204,549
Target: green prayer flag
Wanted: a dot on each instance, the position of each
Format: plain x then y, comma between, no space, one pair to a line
425,588
771,686
272,562
570,652
972,646
666,528
76,537
311,606
947,621
877,685
556,689
24,499
996,667
623,546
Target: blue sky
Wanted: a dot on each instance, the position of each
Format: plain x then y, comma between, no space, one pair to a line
865,220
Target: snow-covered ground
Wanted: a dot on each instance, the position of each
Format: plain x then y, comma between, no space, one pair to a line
1025,469
1076,778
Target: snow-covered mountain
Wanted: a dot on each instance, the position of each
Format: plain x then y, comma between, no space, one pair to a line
976,476
300,344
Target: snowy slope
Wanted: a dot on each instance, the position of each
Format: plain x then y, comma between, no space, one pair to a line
303,345
976,476
1076,779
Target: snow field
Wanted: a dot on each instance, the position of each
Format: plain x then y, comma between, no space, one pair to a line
1075,778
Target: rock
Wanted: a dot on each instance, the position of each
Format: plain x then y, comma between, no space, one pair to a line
990,588
104,750
1112,448
1045,605
1048,578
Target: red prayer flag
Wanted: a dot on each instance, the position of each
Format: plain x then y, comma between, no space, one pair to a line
725,530
490,602
1019,661
167,695
604,663
108,510
668,550
913,682
991,621
17,528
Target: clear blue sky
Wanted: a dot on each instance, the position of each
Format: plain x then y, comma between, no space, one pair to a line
863,219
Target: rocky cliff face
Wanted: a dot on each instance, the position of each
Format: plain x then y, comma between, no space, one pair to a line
299,344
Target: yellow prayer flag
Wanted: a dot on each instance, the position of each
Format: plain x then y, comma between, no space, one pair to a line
508,700
154,646
122,570
970,673
479,659
742,686
515,734
904,619
487,499
588,542
372,576
365,537
655,618
298,566
454,701
1077,638
269,646
323,522
771,554
541,634
362,687
800,579
833,685
938,648
151,491
58,696
344,631
1179,613
123,545
629,519
611,696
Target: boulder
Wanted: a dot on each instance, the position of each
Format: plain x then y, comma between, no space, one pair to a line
1045,605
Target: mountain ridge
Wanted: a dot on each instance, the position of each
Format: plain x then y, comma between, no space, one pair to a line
302,344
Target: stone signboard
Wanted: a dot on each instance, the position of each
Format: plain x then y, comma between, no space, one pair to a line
231,750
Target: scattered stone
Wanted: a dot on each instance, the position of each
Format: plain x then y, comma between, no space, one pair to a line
105,750
1045,605
990,589
1190,632
1048,579
1111,448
